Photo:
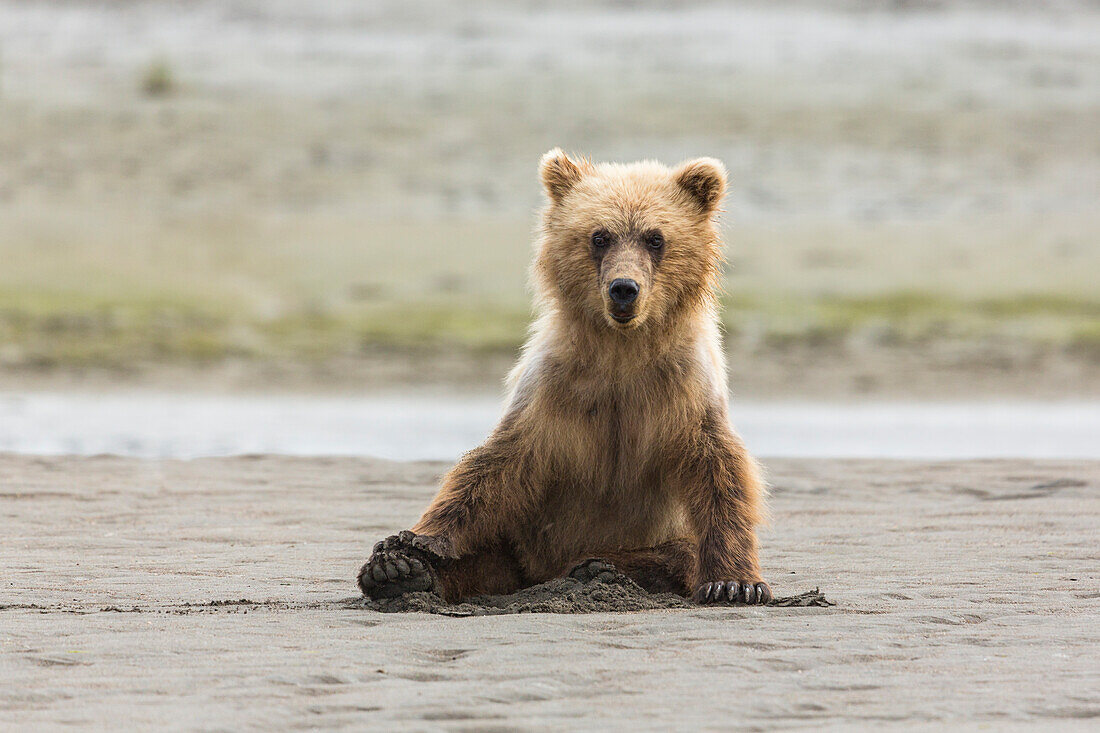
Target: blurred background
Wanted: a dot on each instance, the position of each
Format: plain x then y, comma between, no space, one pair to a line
281,202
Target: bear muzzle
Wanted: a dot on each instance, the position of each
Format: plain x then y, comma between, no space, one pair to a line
623,293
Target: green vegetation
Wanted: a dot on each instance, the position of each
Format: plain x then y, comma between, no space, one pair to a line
111,288
157,79
914,317
117,333
1085,341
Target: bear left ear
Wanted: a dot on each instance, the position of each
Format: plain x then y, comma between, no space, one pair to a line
559,173
704,179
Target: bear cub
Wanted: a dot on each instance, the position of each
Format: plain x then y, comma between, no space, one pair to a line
616,441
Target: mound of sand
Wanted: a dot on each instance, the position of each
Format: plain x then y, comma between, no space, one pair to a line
610,591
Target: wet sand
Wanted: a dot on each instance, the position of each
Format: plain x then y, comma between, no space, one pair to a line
219,594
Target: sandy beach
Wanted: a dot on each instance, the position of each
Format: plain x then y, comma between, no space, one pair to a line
218,594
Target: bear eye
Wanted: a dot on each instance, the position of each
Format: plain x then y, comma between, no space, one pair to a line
601,238
655,240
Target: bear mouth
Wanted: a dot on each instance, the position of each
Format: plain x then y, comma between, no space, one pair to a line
624,318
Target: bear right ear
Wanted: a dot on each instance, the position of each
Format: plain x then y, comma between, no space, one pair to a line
559,174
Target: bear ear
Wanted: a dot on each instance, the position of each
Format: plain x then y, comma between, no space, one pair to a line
559,173
704,179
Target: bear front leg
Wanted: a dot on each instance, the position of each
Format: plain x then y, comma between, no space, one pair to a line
724,495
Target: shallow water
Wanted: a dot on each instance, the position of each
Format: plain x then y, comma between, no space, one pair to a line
419,426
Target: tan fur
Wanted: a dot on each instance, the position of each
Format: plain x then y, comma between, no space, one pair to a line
616,441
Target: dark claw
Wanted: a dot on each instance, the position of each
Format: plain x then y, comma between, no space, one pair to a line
391,570
378,546
402,566
378,573
415,565
733,591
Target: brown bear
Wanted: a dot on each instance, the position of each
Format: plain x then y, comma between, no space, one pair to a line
616,442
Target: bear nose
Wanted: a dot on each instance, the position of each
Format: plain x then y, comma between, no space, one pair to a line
623,291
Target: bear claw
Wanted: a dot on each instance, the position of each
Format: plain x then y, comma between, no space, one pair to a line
733,591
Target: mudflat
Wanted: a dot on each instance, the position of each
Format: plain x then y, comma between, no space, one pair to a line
219,594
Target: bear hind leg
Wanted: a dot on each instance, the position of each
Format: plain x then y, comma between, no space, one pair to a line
407,563
491,571
664,568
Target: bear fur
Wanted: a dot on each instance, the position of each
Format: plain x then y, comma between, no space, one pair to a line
616,441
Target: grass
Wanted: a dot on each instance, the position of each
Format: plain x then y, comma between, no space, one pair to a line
116,333
157,79
104,287
1085,341
913,317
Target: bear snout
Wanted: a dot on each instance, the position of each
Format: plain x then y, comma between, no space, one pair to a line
623,292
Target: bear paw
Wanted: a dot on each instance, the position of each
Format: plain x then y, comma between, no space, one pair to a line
402,563
594,569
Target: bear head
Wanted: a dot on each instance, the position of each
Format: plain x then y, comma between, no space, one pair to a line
629,247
